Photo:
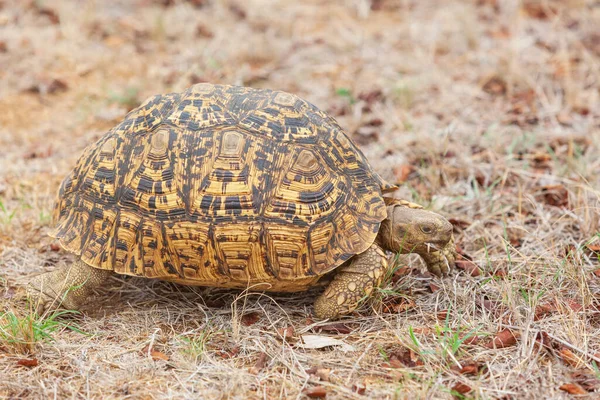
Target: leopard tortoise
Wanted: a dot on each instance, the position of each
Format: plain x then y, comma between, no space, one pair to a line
234,187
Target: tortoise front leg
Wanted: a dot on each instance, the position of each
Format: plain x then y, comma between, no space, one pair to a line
440,262
67,287
351,283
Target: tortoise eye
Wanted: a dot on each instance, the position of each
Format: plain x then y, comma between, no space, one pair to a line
427,229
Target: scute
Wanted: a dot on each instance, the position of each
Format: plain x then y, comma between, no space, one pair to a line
222,186
231,144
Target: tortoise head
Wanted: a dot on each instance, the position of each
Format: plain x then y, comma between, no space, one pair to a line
411,230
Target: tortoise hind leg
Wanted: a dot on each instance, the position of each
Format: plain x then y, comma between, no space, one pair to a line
67,287
351,283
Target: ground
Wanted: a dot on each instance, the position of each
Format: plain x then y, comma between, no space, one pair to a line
486,111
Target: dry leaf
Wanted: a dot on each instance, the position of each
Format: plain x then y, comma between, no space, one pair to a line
482,180
543,310
333,328
8,292
238,11
471,340
568,250
572,388
374,122
287,333
423,330
321,373
403,172
57,85
433,287
540,158
442,315
198,3
555,195
394,363
154,354
260,363
587,381
48,86
538,9
250,318
401,358
461,224
359,388
542,339
515,241
566,144
494,85
470,369
50,13
316,392
461,254
371,97
505,338
567,356
468,266
594,248
157,355
28,362
39,152
203,31
319,342
397,304
461,388
400,272
226,354
525,97
574,305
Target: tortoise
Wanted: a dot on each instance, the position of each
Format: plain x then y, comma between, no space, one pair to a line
234,187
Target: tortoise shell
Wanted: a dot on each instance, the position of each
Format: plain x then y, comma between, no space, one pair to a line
222,186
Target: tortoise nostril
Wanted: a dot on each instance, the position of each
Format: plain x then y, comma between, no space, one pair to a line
448,227
447,230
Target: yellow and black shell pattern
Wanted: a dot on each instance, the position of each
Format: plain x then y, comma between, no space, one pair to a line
222,186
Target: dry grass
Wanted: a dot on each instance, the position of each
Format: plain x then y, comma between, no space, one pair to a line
496,104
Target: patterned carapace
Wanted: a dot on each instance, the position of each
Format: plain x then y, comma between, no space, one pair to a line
222,186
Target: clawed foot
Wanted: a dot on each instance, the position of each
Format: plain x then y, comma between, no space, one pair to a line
440,262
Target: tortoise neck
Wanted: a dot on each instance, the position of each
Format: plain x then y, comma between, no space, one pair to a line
384,237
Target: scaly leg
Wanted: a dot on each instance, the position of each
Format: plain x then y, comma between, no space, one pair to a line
67,287
351,283
439,262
